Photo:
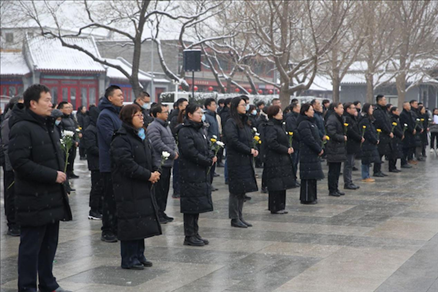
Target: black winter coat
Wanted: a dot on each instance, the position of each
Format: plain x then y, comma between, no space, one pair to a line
396,142
131,170
335,147
91,142
278,165
239,142
69,124
225,115
194,161
261,127
383,122
408,119
354,135
83,120
418,126
370,154
425,125
292,126
36,157
310,147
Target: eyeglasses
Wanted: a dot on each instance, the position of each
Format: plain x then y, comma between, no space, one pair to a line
139,115
166,112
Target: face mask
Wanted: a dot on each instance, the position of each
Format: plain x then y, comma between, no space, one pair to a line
141,134
57,122
145,106
247,107
203,118
254,112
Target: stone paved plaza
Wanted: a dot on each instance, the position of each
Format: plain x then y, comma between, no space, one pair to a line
383,237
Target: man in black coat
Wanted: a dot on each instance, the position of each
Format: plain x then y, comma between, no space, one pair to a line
69,124
407,120
336,153
292,126
41,200
92,147
354,139
144,101
382,122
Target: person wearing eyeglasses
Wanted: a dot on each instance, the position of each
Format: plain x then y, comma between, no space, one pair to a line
195,162
133,176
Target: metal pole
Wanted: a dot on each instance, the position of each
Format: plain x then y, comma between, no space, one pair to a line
193,84
152,69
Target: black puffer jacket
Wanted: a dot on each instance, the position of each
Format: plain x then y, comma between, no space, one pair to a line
335,147
83,120
383,122
131,170
354,135
310,147
292,126
408,119
262,124
194,162
370,154
425,125
396,142
90,140
239,142
36,157
278,166
69,124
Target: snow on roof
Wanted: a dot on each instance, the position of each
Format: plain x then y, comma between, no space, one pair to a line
321,83
13,64
142,76
48,54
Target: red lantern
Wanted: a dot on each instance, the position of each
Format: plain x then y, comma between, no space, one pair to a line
210,88
249,90
195,88
237,90
180,87
225,89
260,91
270,91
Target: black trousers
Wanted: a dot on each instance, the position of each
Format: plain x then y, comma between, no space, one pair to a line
132,252
235,206
97,191
109,219
277,201
220,155
211,173
175,181
191,227
408,153
264,179
308,190
35,257
433,140
71,159
392,164
162,190
333,176
82,149
295,161
8,179
378,166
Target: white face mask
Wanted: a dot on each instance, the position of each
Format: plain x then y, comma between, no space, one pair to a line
57,122
203,118
254,112
145,106
247,107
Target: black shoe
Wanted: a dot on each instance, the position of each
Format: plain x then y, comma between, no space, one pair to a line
72,190
220,164
280,212
384,174
14,231
94,215
163,220
134,267
395,170
246,223
214,189
71,175
83,158
247,198
340,193
146,263
406,166
355,168
170,219
238,223
176,196
108,237
351,187
379,174
309,203
216,174
193,241
295,184
334,194
264,190
206,242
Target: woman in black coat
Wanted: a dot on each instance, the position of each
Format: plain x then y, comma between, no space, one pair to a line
370,154
278,166
396,142
424,118
240,153
310,153
132,180
83,118
195,160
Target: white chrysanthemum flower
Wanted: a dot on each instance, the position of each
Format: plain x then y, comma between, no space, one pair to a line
165,154
68,133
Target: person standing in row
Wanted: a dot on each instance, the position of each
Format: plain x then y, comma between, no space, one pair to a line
382,122
107,124
396,142
69,124
83,118
41,200
210,117
434,131
292,126
240,152
336,152
278,166
370,154
196,161
408,120
143,100
354,139
310,153
132,176
161,139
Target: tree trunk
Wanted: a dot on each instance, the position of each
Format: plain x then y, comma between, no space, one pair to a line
284,94
336,84
370,87
401,89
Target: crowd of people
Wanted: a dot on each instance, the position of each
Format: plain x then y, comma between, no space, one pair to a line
134,150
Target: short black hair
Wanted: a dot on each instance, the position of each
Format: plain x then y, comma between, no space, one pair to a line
180,101
294,100
228,100
313,101
393,109
260,103
156,109
144,94
110,90
356,102
61,104
326,101
275,99
208,102
304,108
379,97
412,101
246,98
221,100
33,92
273,110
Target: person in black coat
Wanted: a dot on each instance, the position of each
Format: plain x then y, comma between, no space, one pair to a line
133,177
240,153
407,119
335,148
354,140
278,166
310,153
91,145
424,118
370,154
262,123
41,200
69,124
195,162
291,127
83,118
396,142
143,100
415,111
382,122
